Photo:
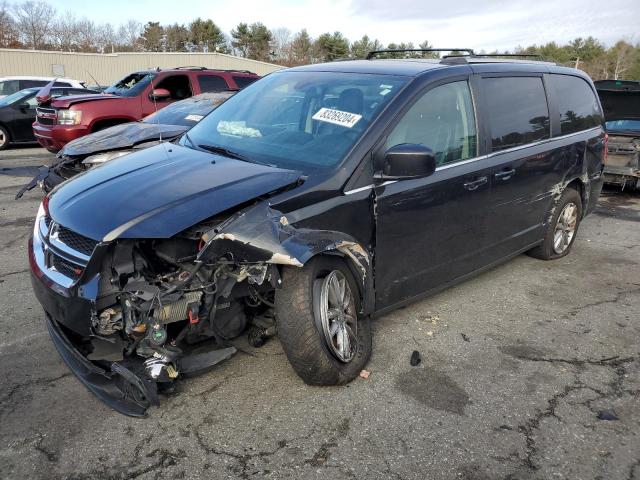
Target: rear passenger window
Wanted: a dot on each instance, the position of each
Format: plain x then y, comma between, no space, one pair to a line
578,105
442,120
212,83
61,84
32,83
244,81
517,111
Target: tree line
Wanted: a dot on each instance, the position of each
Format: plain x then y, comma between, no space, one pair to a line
35,24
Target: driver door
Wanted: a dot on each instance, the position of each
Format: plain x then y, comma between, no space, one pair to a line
432,230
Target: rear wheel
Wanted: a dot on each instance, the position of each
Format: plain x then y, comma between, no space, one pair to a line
562,228
318,324
4,138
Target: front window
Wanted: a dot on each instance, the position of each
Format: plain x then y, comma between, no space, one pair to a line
301,120
443,120
131,85
623,126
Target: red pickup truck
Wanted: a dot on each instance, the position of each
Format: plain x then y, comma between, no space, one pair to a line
132,98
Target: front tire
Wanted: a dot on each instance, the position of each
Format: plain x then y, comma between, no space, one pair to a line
325,340
562,228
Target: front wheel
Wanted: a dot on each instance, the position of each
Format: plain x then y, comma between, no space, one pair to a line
562,228
325,340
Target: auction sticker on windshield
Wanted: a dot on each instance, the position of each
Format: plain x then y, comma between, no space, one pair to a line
337,117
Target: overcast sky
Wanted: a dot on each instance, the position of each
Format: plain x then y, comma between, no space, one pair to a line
489,24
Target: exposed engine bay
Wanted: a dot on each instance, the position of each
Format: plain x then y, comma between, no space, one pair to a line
622,165
162,313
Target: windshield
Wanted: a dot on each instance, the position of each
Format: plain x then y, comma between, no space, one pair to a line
131,85
623,125
302,120
187,112
16,97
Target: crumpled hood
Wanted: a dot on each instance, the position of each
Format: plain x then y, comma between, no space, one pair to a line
66,102
118,137
159,191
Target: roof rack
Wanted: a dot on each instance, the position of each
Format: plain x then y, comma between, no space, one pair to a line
373,53
193,67
468,56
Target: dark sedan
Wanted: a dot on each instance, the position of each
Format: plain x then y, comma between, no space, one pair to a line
99,147
18,112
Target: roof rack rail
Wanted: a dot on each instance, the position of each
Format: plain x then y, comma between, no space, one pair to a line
193,67
508,55
190,67
373,53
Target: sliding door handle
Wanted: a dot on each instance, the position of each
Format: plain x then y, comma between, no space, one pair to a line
505,174
473,185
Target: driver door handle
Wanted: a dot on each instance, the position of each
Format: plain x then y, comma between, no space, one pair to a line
473,185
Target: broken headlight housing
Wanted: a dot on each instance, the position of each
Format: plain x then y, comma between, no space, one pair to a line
104,157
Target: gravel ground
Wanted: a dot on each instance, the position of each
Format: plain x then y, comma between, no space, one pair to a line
518,365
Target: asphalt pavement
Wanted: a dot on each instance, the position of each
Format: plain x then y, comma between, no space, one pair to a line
529,371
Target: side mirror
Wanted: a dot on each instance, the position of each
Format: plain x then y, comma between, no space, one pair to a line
160,94
408,160
22,106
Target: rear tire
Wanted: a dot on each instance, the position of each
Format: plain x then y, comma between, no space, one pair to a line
313,356
562,228
5,139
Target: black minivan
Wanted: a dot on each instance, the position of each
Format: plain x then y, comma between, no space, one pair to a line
312,201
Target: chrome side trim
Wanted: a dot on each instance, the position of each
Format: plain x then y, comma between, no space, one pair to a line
360,189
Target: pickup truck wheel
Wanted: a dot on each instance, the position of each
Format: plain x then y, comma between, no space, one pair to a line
562,228
4,138
318,324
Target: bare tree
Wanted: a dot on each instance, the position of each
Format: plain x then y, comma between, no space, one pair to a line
622,54
129,33
35,19
65,33
281,44
87,35
105,38
8,32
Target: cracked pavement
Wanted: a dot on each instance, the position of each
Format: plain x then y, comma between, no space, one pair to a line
517,364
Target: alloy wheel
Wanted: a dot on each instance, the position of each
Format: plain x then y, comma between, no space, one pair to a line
3,139
565,228
338,316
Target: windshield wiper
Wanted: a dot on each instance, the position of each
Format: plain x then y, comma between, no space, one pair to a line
225,152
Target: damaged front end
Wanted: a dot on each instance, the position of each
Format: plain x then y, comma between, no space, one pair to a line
141,313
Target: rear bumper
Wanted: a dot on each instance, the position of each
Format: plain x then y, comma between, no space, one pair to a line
621,175
54,137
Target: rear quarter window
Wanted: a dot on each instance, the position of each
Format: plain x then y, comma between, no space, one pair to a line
577,103
212,83
517,111
244,81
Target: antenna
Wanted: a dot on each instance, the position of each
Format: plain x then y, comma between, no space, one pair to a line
94,80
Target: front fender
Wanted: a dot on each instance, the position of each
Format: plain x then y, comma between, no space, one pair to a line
261,234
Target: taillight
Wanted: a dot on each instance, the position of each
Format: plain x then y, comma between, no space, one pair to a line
606,146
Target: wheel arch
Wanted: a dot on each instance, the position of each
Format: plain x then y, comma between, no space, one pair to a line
261,234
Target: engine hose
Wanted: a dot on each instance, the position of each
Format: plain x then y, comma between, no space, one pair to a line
180,285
